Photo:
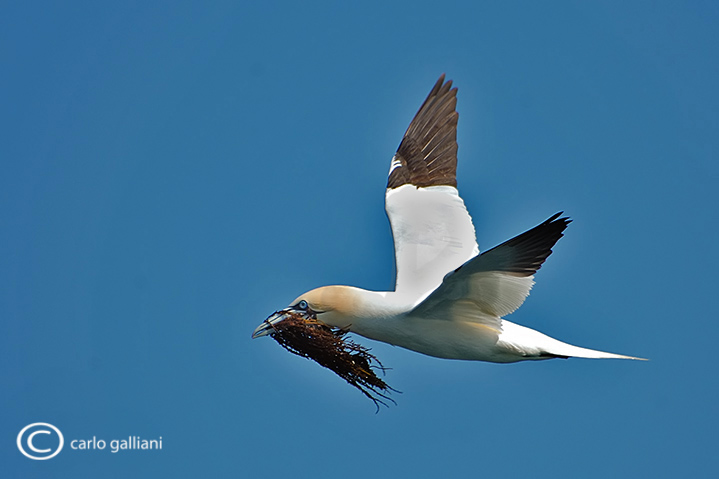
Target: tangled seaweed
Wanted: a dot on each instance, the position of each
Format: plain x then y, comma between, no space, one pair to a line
328,347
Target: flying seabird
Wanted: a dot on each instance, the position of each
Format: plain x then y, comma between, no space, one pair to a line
449,301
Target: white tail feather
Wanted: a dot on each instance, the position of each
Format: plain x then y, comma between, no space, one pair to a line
564,349
534,344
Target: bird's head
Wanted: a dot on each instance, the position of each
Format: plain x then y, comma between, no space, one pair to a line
331,305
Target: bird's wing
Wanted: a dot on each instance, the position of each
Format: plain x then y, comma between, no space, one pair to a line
433,233
495,283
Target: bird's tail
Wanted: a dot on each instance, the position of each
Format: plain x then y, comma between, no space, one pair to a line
536,345
560,349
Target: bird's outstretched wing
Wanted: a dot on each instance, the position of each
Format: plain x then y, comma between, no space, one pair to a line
433,233
495,283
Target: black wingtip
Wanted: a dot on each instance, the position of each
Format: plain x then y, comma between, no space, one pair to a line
532,248
554,217
556,221
427,155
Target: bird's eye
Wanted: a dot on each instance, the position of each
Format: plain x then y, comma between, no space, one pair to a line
303,304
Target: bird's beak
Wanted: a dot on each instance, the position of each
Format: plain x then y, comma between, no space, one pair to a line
267,325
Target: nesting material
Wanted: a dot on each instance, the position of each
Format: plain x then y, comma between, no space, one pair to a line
328,346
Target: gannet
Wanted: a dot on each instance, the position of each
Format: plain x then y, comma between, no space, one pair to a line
449,301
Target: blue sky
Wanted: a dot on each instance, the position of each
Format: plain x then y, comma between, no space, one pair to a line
173,172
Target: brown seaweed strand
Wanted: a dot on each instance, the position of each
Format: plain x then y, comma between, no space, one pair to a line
328,347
